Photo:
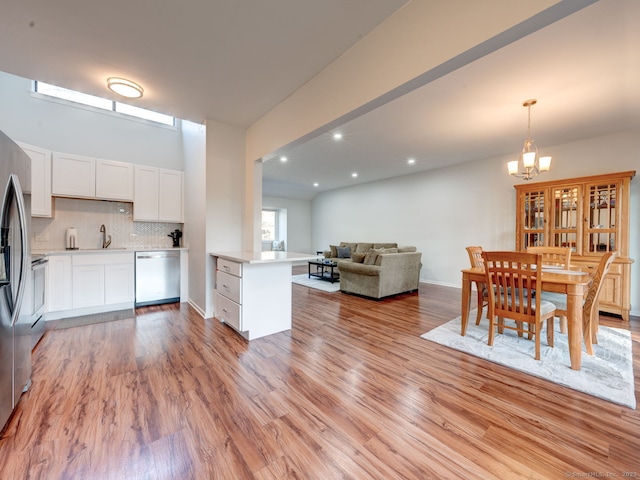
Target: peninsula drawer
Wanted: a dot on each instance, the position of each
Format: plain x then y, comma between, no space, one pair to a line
227,266
229,312
229,286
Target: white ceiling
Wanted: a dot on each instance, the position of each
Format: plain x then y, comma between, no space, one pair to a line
232,61
226,60
584,71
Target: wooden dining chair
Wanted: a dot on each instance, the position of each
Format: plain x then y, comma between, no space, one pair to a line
557,257
475,257
590,313
512,280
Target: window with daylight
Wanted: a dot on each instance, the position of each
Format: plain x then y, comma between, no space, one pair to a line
269,225
102,103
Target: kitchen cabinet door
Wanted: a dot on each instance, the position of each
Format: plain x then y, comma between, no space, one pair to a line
73,176
114,180
145,195
88,286
170,196
59,283
118,283
40,180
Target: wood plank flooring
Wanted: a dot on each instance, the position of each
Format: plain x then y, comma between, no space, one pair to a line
351,392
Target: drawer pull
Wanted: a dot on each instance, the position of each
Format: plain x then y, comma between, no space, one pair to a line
225,286
226,267
225,310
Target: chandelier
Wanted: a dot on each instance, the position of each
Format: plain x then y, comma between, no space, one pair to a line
532,165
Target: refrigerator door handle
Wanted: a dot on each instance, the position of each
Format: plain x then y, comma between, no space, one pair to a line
13,191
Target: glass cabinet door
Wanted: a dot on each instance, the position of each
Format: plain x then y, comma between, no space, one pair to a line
566,212
601,226
533,213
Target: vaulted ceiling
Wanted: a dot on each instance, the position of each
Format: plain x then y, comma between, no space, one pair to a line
234,61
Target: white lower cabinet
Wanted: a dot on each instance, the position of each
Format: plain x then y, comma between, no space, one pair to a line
102,279
59,282
253,298
88,286
118,283
87,283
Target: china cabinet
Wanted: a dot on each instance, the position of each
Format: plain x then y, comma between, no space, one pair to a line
588,214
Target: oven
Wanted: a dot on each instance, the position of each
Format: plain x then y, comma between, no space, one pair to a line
38,283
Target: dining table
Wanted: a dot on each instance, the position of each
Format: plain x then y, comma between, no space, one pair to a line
573,282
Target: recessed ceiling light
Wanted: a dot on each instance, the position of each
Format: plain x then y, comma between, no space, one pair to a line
315,184
411,161
354,174
337,136
283,159
124,87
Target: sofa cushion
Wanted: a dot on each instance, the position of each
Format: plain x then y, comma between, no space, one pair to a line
371,256
364,247
351,245
344,252
358,257
334,251
382,252
385,245
407,249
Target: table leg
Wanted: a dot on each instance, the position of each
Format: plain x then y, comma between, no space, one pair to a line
466,304
574,324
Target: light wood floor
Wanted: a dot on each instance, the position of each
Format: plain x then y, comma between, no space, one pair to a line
350,392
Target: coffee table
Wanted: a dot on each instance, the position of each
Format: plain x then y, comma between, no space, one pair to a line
324,270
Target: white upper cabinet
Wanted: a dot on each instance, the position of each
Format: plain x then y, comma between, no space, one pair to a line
40,180
170,196
114,180
158,195
73,176
145,198
86,177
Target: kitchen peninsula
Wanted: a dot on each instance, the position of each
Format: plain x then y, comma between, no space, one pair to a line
253,290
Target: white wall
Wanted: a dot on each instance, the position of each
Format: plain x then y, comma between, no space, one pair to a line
225,191
443,211
298,222
59,126
195,181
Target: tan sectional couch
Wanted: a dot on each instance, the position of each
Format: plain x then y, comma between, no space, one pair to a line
376,270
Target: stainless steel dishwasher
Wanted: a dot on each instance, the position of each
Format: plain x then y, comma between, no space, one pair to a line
157,277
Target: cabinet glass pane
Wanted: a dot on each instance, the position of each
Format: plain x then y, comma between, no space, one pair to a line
534,218
602,218
534,210
565,213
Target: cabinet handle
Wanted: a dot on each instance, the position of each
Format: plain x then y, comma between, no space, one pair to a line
225,286
225,267
225,310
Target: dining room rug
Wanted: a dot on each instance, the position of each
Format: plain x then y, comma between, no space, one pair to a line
607,374
316,283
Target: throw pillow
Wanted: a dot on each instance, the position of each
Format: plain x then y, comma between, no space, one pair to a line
357,257
344,252
407,249
384,250
334,251
371,256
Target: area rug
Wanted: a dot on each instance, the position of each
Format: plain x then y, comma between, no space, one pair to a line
316,283
607,374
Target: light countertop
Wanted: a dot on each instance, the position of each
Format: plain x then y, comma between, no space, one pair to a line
63,251
264,257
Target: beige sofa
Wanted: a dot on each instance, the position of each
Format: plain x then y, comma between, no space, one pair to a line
376,270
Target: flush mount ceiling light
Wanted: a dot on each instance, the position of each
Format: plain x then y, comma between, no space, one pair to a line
532,164
337,136
124,87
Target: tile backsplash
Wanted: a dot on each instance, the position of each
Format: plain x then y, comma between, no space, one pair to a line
88,215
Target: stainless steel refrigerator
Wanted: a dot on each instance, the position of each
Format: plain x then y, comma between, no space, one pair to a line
15,263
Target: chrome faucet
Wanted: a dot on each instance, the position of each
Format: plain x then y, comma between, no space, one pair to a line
105,242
